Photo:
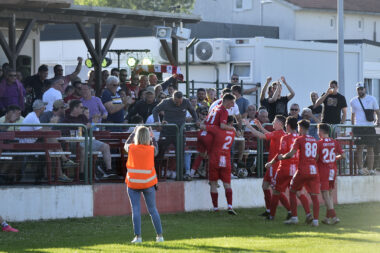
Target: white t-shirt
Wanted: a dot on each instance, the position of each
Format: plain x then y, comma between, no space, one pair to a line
369,102
31,118
231,112
50,96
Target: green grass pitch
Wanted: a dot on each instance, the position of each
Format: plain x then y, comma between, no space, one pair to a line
359,231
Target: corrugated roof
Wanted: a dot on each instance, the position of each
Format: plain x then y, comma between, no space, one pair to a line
349,5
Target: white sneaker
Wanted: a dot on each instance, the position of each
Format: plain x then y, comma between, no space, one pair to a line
293,220
326,221
372,172
233,176
137,240
363,172
315,223
334,220
159,239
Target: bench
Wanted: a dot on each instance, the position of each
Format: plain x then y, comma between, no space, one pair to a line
10,147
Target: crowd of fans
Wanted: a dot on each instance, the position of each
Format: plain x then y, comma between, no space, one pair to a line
141,99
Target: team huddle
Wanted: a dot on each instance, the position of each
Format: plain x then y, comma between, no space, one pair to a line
296,160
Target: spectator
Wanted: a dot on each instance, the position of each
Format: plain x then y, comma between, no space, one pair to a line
123,75
158,90
141,178
171,89
77,92
278,105
143,107
58,73
165,85
235,81
6,227
76,116
174,109
56,115
152,79
113,102
194,102
4,69
317,112
133,87
262,116
211,95
295,111
201,98
38,82
115,72
160,96
12,92
13,115
53,94
33,118
263,100
334,105
143,82
251,113
240,100
69,91
97,111
363,108
105,75
19,76
308,114
91,78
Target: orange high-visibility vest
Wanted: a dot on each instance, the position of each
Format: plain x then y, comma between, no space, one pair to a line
141,173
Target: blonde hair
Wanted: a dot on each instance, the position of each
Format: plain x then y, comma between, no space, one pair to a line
142,136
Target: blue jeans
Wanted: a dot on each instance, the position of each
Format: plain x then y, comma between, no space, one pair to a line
150,201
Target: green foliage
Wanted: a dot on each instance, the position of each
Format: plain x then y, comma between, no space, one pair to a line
151,5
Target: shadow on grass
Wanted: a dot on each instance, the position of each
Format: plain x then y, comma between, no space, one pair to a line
87,234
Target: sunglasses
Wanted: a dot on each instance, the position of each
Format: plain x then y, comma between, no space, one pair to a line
235,79
294,109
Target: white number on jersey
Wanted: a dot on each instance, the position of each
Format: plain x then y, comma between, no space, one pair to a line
222,161
313,170
332,175
328,155
228,142
310,149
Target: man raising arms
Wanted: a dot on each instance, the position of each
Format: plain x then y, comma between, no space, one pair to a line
329,151
220,162
306,174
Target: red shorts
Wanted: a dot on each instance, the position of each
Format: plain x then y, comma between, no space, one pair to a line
269,174
327,179
204,141
311,183
218,172
282,178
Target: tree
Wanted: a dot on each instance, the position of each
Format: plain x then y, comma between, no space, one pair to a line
186,6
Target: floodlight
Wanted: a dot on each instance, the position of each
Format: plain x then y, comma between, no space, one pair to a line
131,61
88,62
106,62
146,61
162,32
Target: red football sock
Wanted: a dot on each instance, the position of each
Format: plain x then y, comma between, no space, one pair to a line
284,201
268,198
197,162
328,213
274,204
229,196
315,200
332,213
293,203
214,198
305,203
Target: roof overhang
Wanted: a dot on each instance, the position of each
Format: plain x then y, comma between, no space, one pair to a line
94,15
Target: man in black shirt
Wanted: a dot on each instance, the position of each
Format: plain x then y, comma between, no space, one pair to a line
334,105
143,107
38,82
318,110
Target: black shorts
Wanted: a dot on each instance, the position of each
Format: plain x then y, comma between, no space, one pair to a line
365,136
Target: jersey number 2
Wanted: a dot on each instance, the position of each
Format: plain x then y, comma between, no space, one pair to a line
228,142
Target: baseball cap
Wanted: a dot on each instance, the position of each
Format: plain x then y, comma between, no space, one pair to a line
38,104
150,88
359,85
59,103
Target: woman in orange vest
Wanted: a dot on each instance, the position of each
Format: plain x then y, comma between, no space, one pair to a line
141,178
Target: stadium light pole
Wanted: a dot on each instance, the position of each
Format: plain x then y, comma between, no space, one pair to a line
340,34
188,46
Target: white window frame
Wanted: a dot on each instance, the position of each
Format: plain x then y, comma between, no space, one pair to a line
245,5
242,63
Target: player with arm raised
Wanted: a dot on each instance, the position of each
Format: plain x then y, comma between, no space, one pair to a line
220,162
274,137
217,117
329,151
306,174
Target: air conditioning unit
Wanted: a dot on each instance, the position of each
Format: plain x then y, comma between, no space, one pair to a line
181,52
209,51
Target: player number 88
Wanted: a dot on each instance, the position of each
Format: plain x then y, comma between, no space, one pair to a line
310,149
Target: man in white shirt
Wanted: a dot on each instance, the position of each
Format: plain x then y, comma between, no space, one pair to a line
53,94
367,134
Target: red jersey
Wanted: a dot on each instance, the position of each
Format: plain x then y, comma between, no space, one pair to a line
328,149
220,155
274,138
217,116
307,152
286,144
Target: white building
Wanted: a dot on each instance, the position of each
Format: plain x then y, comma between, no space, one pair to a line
298,19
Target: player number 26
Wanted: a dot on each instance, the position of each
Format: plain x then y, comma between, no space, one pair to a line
310,149
328,155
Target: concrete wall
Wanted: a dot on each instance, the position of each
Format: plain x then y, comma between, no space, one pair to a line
358,189
47,202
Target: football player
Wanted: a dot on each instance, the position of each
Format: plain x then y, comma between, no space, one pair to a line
306,173
329,151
